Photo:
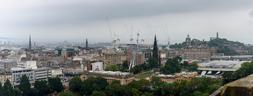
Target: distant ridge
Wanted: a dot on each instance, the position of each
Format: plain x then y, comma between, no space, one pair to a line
222,45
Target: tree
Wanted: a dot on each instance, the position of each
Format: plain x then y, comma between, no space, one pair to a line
98,93
185,66
115,89
25,86
1,89
7,88
152,63
141,85
245,70
124,67
75,84
149,65
66,93
198,86
112,67
172,66
92,84
139,68
55,84
42,87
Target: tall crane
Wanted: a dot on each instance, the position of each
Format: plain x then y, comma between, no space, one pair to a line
135,49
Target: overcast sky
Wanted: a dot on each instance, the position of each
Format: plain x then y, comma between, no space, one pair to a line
103,20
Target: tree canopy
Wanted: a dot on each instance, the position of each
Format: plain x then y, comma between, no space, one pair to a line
176,65
25,86
245,70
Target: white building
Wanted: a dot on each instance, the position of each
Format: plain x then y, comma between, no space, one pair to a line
31,71
97,66
57,72
28,64
31,64
42,73
2,66
17,73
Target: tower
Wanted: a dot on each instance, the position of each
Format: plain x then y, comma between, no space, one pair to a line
188,40
86,44
156,52
30,43
168,44
217,35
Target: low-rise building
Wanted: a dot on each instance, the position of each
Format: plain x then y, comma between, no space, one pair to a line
57,72
178,77
42,73
123,77
114,58
31,71
97,66
4,77
196,53
17,73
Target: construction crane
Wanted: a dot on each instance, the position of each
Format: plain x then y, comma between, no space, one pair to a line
135,49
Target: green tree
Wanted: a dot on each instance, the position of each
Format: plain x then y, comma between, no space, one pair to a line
147,94
25,86
172,66
55,84
137,69
1,89
245,70
115,89
152,63
112,67
7,88
75,84
42,87
124,67
149,65
185,66
66,93
198,86
142,85
92,84
98,93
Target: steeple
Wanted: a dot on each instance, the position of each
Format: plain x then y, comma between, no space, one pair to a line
217,35
156,52
30,43
86,44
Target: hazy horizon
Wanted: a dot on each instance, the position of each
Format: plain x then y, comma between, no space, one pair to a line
99,20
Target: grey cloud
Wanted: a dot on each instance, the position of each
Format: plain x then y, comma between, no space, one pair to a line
83,12
251,13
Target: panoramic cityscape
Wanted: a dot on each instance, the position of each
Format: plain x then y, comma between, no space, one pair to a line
126,48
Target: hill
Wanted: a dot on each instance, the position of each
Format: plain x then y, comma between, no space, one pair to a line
222,45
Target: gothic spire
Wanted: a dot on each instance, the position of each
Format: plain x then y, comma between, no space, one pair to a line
30,43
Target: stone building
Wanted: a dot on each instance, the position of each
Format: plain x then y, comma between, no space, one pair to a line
123,77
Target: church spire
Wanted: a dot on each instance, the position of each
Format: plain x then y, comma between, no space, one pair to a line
86,44
156,52
30,43
217,35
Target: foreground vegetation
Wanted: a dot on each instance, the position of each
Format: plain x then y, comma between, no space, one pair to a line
172,66
245,70
99,87
41,88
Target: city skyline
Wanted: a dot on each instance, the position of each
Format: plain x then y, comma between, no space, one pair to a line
61,20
